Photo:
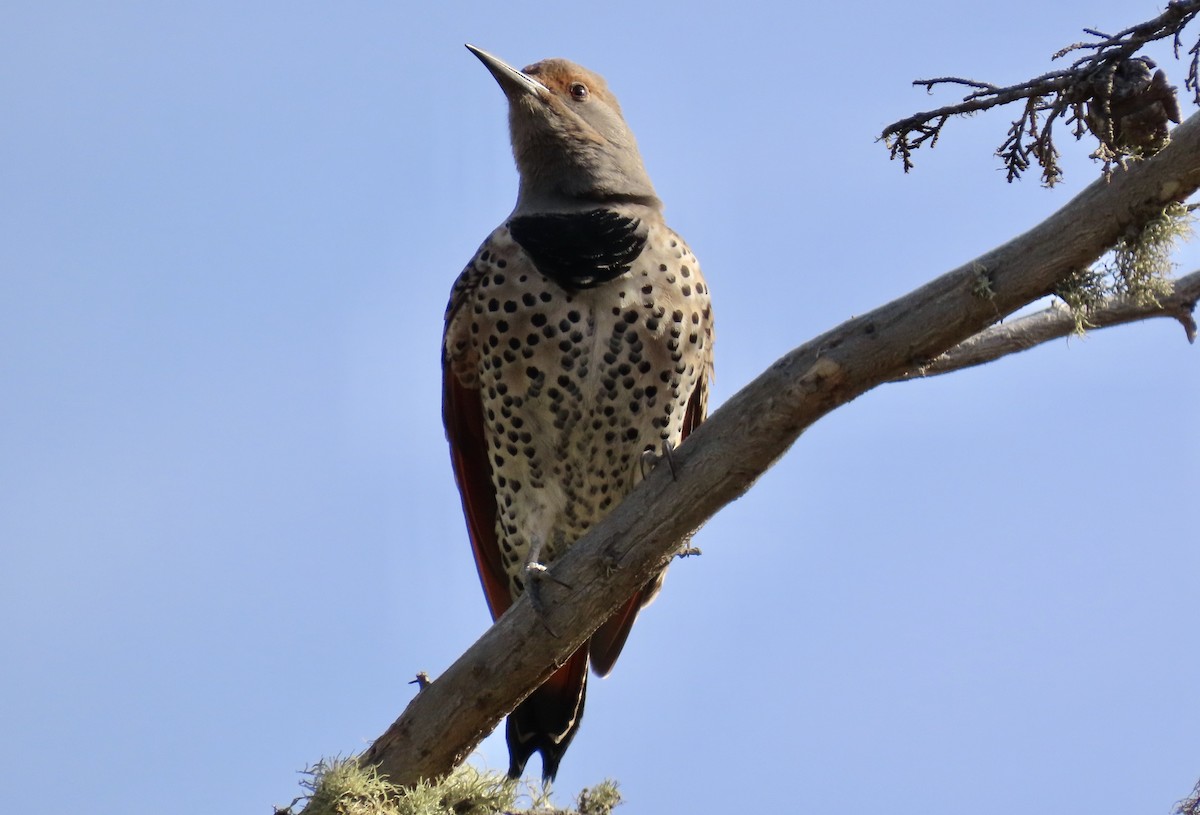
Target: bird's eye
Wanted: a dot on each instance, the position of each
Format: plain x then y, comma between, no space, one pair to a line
579,91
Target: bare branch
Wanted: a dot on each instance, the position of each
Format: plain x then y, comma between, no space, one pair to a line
1059,321
1109,89
954,80
1191,804
727,454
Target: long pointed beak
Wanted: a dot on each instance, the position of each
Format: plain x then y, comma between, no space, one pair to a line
512,81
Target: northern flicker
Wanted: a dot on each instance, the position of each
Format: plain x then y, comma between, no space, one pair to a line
578,343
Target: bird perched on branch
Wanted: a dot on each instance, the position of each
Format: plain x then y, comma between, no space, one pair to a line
578,343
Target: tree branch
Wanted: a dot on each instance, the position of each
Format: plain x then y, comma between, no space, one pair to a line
727,454
1108,90
1058,321
1191,804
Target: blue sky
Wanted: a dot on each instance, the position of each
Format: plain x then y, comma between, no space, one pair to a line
229,533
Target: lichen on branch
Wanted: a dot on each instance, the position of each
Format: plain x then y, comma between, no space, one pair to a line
1138,268
342,786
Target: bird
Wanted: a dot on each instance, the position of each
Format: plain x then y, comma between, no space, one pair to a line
577,347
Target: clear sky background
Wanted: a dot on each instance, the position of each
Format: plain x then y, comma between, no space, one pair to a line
229,534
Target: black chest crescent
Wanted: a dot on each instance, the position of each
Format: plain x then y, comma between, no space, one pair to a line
580,250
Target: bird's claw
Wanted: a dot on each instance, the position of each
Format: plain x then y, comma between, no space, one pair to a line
539,572
650,460
536,574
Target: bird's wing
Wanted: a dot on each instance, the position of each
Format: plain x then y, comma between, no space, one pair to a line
462,413
609,639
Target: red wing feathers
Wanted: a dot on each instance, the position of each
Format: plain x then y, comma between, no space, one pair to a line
462,412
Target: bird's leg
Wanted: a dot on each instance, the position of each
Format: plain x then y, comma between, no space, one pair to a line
609,558
531,558
669,455
536,572
650,460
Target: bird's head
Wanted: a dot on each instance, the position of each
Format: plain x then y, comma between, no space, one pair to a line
572,146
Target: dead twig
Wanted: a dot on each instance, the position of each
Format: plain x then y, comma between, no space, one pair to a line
1059,321
1119,97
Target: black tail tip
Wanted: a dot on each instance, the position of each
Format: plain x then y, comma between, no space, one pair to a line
547,721
516,768
519,753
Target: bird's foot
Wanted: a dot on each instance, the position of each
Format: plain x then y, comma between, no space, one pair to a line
535,575
651,459
534,572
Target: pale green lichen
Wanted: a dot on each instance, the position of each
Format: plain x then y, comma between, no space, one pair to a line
1082,291
343,787
981,287
598,800
1138,267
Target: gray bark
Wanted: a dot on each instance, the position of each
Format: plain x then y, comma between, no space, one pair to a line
1057,321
